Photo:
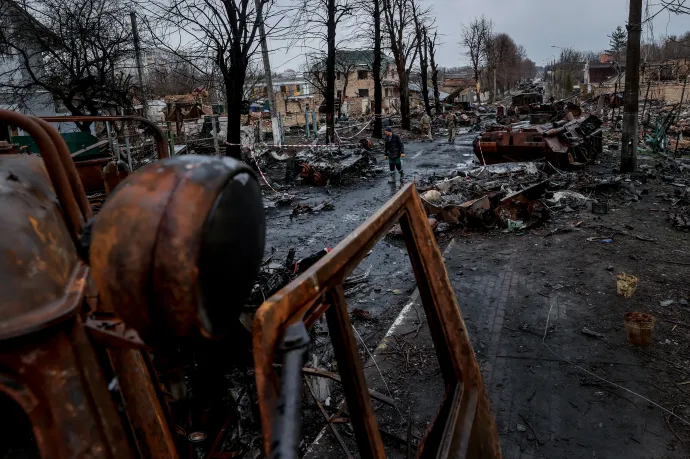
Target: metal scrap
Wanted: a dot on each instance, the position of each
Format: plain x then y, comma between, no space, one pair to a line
566,144
318,166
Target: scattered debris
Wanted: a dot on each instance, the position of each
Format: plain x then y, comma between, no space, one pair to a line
639,327
600,207
325,206
592,333
626,285
301,209
432,196
319,166
666,303
566,144
360,314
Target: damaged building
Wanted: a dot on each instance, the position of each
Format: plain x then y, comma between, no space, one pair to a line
354,82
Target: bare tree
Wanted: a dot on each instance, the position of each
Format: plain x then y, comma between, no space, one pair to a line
431,43
318,21
475,37
316,72
399,23
224,32
569,69
421,18
79,52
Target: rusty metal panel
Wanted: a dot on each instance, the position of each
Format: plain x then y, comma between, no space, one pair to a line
311,295
38,257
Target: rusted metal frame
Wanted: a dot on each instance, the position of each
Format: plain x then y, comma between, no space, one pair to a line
161,142
144,409
480,436
54,166
70,169
105,413
357,396
281,308
90,147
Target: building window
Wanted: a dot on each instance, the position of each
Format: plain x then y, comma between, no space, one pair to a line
340,95
364,93
387,92
362,74
283,89
337,75
298,87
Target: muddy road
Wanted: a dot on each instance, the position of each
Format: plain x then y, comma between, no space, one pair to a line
391,278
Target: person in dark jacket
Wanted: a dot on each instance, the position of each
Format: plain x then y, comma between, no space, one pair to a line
395,151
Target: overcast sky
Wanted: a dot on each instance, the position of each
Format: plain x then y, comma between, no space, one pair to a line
534,24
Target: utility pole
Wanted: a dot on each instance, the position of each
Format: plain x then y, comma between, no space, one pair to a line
269,79
140,68
632,89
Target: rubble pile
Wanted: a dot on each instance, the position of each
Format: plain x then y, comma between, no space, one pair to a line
319,166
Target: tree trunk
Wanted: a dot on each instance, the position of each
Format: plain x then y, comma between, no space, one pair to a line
330,73
424,75
378,90
420,31
344,94
405,100
434,77
479,90
234,83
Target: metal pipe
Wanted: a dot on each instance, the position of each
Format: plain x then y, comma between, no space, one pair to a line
171,140
70,169
306,122
110,136
313,119
129,152
54,166
286,425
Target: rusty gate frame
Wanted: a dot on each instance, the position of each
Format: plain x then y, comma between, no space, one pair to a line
158,135
464,426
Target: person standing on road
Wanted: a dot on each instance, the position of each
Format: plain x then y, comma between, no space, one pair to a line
426,126
395,151
451,122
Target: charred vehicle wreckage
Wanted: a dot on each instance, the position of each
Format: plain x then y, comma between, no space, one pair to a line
568,143
119,330
316,164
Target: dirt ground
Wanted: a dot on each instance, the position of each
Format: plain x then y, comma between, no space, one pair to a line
547,327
